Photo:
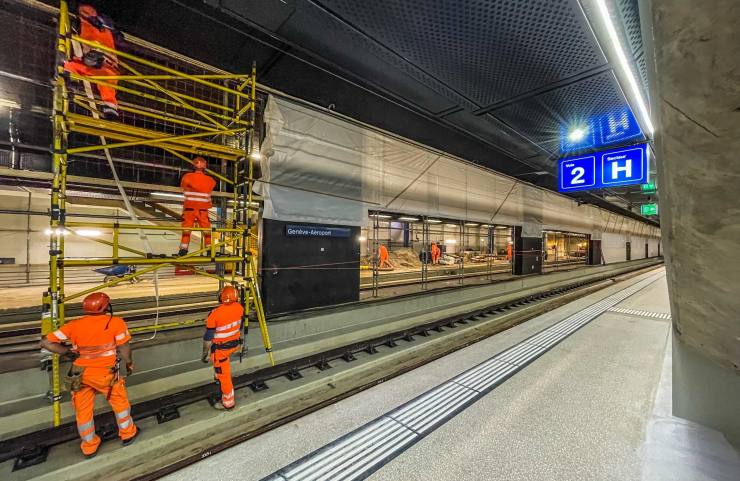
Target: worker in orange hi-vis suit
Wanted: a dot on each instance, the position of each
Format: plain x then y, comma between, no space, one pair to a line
508,252
383,255
221,340
96,62
196,187
95,339
436,252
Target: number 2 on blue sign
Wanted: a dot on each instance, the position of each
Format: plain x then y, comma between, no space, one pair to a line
578,173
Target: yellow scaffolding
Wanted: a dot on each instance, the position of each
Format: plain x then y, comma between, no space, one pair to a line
208,124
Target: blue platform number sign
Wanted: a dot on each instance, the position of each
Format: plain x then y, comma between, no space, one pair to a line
316,231
604,169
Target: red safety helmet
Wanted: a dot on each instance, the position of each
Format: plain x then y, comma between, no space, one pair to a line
199,163
96,303
229,295
87,11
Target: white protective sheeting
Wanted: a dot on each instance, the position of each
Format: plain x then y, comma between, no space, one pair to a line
345,169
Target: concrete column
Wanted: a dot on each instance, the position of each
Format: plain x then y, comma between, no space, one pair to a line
694,71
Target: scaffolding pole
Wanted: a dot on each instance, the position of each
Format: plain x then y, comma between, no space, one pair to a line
64,122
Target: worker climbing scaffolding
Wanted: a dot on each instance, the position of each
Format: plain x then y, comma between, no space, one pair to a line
197,188
89,61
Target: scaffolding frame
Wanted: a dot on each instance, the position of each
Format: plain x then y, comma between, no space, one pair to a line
238,235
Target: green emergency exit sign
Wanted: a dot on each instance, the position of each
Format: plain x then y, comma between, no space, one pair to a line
649,187
649,209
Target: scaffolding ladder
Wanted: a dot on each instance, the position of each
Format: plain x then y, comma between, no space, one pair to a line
234,120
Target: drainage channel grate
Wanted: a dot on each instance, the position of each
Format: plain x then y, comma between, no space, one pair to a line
635,312
360,453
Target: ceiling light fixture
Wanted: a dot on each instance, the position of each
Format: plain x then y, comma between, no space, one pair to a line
256,155
577,135
362,238
88,233
623,62
450,241
471,224
410,219
433,221
168,194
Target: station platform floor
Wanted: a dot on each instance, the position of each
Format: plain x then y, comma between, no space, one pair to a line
595,405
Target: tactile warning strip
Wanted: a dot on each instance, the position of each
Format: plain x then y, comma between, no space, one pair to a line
363,451
635,312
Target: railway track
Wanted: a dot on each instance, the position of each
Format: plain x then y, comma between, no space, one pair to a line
31,449
20,328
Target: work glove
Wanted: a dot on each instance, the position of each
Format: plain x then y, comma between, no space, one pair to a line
129,368
72,355
204,358
94,59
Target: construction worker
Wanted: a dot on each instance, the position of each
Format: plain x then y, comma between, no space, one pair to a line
95,339
436,252
508,252
221,340
96,62
383,255
196,187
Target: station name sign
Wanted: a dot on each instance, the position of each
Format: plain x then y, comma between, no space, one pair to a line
610,168
313,231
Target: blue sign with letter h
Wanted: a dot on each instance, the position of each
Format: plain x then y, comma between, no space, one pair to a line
604,169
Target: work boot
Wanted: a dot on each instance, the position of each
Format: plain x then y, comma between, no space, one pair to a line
91,455
181,253
130,441
221,407
110,113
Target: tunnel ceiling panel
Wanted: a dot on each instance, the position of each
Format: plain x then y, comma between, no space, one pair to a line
486,50
597,103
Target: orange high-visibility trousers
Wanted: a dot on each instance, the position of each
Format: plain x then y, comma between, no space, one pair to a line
106,93
97,380
222,373
190,216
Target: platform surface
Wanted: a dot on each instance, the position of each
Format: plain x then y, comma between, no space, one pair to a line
586,409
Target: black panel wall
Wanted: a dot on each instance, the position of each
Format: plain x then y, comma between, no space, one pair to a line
287,287
594,252
527,254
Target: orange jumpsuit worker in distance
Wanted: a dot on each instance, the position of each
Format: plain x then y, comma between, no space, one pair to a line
221,340
383,254
95,62
436,252
96,338
508,252
197,188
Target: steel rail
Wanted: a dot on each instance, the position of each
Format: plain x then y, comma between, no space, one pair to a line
32,448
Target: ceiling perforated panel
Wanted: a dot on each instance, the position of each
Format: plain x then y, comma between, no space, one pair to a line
487,50
540,118
630,12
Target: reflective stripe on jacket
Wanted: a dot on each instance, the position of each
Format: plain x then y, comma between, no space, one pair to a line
197,188
95,338
226,319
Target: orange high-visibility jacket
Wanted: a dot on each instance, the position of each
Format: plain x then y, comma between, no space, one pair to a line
226,319
197,188
95,338
103,37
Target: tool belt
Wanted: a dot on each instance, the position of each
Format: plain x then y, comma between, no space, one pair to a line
73,380
225,346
